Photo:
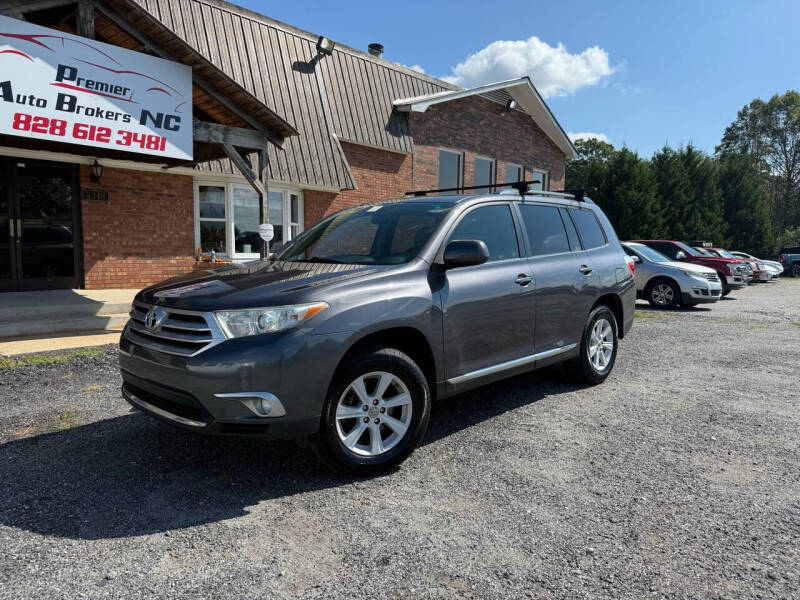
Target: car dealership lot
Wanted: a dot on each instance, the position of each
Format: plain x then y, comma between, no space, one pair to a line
678,477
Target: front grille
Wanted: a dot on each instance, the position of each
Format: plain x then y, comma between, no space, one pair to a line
716,292
180,332
177,404
712,276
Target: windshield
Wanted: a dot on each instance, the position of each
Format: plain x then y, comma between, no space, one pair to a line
725,253
688,249
383,234
649,254
704,252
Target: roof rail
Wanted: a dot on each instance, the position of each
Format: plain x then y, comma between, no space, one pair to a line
520,186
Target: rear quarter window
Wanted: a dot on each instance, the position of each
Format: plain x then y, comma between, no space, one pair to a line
545,229
589,228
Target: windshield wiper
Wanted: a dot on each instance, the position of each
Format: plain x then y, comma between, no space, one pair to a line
321,259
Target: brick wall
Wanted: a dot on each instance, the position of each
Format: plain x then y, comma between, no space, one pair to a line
478,127
145,233
474,126
379,175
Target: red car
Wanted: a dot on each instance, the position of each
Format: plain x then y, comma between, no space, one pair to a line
734,273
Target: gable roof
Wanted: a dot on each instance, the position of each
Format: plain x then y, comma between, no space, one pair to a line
348,96
520,90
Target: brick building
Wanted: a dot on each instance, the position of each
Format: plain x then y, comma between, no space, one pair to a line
346,127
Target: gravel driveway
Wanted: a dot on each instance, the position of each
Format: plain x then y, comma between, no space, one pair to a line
677,478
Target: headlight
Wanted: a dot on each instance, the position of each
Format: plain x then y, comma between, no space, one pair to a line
254,321
689,273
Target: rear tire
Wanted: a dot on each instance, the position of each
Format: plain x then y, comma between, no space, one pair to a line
600,331
796,270
375,414
663,293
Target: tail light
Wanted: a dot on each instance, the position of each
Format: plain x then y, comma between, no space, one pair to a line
631,264
782,258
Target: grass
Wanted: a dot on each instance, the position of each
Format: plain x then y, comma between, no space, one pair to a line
796,323
91,389
46,359
648,314
66,420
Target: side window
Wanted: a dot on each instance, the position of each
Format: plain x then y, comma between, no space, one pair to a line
590,230
545,229
494,226
668,250
574,240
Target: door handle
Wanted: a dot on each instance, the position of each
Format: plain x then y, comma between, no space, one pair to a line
585,269
523,279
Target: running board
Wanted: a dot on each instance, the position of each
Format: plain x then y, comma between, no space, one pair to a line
511,364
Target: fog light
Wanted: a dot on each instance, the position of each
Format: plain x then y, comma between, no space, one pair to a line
265,407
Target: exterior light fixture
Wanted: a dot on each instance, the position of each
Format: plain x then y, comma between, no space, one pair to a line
95,172
325,45
511,104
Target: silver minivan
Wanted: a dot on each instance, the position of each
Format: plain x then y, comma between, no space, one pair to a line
666,284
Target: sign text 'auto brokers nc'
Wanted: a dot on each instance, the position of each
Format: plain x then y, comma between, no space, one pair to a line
67,88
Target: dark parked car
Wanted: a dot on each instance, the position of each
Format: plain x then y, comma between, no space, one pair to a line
790,259
349,333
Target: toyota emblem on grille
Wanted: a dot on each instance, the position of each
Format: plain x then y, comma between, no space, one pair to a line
154,317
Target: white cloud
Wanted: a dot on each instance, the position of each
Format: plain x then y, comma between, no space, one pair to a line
417,68
553,70
588,135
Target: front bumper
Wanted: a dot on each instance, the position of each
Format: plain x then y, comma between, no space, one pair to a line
217,391
736,281
699,291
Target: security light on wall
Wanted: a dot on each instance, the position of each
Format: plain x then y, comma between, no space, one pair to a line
325,45
95,172
511,104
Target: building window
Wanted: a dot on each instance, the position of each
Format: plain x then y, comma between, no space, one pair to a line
226,218
513,173
211,218
484,174
450,171
541,177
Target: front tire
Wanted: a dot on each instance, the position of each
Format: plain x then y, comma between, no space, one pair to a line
725,289
663,293
796,270
375,414
598,350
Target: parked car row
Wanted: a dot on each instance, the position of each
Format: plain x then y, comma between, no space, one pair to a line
671,273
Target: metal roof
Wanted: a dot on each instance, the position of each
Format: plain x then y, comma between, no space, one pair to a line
348,96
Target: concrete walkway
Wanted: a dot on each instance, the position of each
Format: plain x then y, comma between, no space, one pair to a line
61,319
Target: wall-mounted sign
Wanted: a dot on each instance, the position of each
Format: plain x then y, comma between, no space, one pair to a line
66,88
266,231
95,196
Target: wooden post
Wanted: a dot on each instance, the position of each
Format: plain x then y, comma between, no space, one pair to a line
85,15
263,207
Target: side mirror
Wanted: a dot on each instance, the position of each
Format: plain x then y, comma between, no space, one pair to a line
681,255
465,253
636,259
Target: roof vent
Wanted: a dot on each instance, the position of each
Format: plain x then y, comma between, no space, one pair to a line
376,49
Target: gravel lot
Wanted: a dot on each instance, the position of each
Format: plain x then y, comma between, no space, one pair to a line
677,478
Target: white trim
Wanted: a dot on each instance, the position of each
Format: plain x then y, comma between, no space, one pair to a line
522,90
230,242
520,171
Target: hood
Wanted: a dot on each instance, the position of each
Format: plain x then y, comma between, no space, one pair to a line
253,284
719,260
688,267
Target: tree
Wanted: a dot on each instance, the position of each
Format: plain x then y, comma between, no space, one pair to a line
745,205
588,170
769,133
628,194
674,191
705,219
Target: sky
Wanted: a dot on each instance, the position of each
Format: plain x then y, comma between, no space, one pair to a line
642,74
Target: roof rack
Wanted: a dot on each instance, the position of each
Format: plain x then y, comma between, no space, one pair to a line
520,186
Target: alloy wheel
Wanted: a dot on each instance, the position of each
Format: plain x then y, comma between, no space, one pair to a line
601,344
662,294
374,413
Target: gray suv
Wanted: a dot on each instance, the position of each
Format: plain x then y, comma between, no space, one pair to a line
348,333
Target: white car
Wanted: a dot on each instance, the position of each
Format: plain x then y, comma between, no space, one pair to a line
773,267
666,284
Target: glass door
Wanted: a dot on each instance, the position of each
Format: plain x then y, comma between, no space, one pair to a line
7,232
39,224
